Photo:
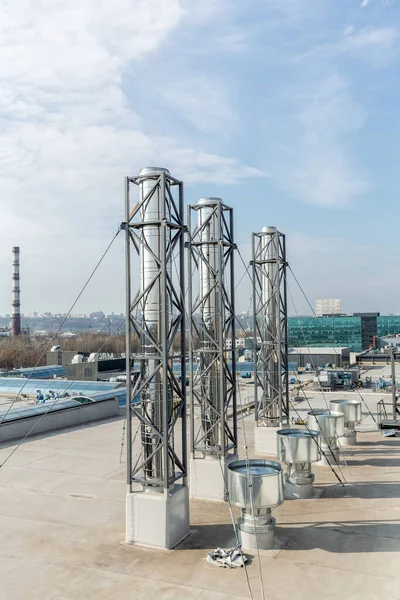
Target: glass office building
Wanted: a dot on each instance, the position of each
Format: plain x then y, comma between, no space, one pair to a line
325,331
389,325
357,331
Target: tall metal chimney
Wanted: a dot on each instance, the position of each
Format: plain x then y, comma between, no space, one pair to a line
213,379
158,515
16,302
271,393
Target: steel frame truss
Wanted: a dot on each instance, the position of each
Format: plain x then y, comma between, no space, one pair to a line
162,406
271,383
213,382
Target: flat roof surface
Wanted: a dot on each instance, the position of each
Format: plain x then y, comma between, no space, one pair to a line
62,523
13,414
321,350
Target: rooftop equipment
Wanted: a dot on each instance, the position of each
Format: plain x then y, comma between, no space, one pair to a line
298,449
352,415
331,426
213,379
77,359
337,378
154,229
384,420
256,486
271,391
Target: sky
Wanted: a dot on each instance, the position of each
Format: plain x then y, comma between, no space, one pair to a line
287,109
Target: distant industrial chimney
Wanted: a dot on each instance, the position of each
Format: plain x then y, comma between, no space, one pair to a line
16,303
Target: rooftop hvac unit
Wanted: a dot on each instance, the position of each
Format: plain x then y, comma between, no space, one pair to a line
78,358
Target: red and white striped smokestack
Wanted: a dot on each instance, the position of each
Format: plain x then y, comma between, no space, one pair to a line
16,302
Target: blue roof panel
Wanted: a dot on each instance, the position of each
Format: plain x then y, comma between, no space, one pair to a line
116,393
16,385
42,372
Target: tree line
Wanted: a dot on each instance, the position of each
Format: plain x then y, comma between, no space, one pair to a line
25,351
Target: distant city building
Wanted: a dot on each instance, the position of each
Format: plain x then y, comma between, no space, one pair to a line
357,332
328,306
43,323
242,343
336,356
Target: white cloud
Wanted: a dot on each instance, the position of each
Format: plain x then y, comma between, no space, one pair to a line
366,3
330,111
55,43
200,167
349,30
320,168
81,170
323,177
295,11
202,101
233,41
69,128
379,45
62,98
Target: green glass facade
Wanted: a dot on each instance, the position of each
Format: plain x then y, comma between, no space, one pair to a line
356,332
325,331
388,325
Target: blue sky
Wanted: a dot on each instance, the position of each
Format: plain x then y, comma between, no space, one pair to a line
287,109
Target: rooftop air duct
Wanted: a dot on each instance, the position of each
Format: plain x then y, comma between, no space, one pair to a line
298,449
256,486
331,425
352,415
